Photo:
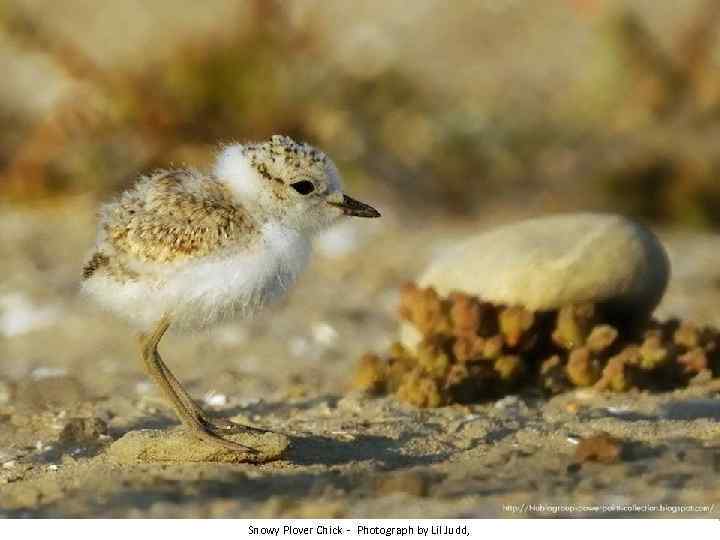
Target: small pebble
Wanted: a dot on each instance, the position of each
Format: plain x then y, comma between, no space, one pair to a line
573,439
215,400
324,334
572,407
601,448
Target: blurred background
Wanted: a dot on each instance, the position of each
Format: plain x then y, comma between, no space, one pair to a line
448,109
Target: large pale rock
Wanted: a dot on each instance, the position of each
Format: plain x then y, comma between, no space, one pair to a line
549,262
179,446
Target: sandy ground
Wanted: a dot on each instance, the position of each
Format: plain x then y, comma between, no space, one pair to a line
289,370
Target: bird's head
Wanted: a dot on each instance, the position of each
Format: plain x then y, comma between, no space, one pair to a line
293,183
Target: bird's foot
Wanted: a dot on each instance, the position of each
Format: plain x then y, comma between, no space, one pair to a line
211,436
220,425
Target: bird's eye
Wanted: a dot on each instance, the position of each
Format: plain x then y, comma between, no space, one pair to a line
303,187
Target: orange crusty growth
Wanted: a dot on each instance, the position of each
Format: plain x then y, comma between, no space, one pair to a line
473,350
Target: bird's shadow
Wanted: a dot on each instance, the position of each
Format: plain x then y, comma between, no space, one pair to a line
384,452
692,409
687,410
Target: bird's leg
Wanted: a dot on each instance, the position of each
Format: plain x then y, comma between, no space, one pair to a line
184,407
220,424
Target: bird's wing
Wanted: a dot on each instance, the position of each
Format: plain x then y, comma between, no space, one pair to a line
173,216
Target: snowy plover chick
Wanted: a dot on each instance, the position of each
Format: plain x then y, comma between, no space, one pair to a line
186,249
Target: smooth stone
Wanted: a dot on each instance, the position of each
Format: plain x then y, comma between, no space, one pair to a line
550,262
179,446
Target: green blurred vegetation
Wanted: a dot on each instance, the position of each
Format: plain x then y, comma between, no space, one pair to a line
635,135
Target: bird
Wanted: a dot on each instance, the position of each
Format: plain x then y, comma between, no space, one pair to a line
187,249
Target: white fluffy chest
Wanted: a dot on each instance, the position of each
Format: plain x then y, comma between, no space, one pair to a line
241,282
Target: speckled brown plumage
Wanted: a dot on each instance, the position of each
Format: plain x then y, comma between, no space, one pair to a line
280,157
175,215
97,260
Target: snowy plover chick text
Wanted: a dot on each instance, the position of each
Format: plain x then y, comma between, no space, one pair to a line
187,249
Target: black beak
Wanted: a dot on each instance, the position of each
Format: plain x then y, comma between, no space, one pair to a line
351,207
